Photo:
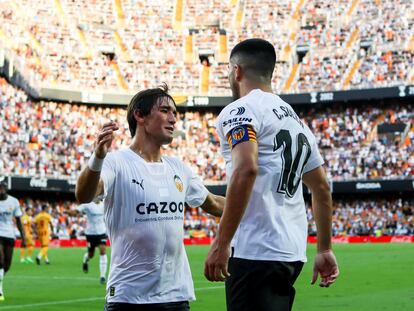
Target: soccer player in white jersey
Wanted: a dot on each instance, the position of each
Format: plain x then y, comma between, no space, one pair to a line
145,194
95,235
9,208
260,246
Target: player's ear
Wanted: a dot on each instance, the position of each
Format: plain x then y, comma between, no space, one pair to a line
238,73
138,117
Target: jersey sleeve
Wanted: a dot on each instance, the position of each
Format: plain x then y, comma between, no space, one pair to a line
17,210
81,208
108,174
237,124
315,159
196,192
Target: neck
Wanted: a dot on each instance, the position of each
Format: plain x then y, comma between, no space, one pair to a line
148,151
248,86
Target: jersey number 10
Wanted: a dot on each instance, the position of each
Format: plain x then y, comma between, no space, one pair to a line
291,170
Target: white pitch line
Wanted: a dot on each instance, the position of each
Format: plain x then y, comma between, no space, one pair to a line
53,277
61,302
75,278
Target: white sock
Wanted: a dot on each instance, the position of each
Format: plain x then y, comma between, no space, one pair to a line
85,258
102,265
1,280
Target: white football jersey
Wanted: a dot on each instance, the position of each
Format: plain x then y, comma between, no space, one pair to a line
9,208
95,214
144,215
274,225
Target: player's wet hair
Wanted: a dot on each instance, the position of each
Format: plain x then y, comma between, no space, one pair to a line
143,102
256,57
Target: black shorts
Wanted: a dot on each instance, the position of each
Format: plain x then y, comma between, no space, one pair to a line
6,241
169,306
261,285
95,240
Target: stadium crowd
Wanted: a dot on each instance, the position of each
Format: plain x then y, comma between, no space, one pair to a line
101,45
55,139
373,217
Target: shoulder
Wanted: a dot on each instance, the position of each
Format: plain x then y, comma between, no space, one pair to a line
116,154
177,164
13,200
173,161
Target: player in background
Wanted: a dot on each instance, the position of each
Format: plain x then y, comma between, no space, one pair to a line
28,232
145,194
9,208
268,152
95,234
43,221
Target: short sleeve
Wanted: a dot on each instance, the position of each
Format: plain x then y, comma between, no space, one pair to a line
237,123
108,174
17,209
196,192
81,208
315,159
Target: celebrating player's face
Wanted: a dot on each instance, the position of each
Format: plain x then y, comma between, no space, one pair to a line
162,120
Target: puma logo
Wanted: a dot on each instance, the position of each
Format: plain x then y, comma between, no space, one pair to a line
141,184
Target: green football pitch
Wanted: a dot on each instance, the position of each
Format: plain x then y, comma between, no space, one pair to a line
373,277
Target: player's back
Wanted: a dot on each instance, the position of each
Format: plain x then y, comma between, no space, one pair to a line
42,221
274,224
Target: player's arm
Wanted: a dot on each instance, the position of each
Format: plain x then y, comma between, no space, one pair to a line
51,227
245,168
325,261
214,204
20,228
89,184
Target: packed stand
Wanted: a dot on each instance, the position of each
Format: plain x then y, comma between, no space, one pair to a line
88,42
55,139
369,217
351,150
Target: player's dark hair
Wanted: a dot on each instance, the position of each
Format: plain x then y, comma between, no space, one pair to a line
143,102
44,207
256,57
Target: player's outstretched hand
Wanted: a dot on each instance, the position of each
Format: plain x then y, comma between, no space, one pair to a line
325,265
215,266
105,138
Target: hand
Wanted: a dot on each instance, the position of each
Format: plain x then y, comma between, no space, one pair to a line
325,265
215,267
104,140
23,243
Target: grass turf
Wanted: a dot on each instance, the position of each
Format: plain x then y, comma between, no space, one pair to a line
376,277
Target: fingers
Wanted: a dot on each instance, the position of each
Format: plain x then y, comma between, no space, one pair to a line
215,272
314,276
105,136
207,271
328,280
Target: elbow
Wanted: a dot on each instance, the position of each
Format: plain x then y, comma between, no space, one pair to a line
82,198
249,171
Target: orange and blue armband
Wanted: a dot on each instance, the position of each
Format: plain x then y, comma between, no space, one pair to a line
241,133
